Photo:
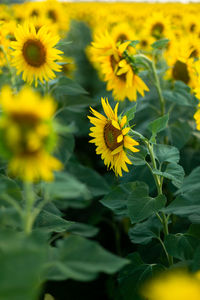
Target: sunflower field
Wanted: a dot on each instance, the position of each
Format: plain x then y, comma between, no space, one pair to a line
99,151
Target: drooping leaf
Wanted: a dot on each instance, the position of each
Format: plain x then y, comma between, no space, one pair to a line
66,186
94,182
81,259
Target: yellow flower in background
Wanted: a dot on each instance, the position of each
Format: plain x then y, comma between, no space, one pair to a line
177,285
34,54
118,73
110,135
27,134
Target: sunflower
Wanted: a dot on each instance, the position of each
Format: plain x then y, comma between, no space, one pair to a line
27,134
120,76
158,25
110,135
176,285
34,54
180,57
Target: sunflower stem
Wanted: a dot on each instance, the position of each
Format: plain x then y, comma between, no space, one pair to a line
158,87
29,202
150,64
158,181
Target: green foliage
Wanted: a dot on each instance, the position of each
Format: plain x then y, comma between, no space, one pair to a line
93,259
166,153
143,233
133,277
140,205
181,246
22,261
160,44
158,125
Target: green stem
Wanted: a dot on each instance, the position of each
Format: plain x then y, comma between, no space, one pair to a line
158,181
157,85
29,202
165,250
150,64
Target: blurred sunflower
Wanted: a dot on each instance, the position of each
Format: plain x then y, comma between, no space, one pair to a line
180,57
110,135
34,54
158,25
27,134
122,32
177,285
120,76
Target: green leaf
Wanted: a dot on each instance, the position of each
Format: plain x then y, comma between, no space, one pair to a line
133,276
166,153
65,147
181,246
66,86
131,113
117,199
95,183
140,205
180,95
134,43
9,187
51,222
162,43
187,203
138,158
81,259
143,233
22,261
174,172
179,133
182,207
158,125
66,186
82,229
190,188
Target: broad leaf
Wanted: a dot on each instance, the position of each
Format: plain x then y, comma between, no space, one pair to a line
141,206
81,259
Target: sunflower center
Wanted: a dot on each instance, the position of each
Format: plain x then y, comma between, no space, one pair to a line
144,43
34,53
110,136
192,27
113,62
34,13
122,38
180,72
194,53
25,118
52,15
157,30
